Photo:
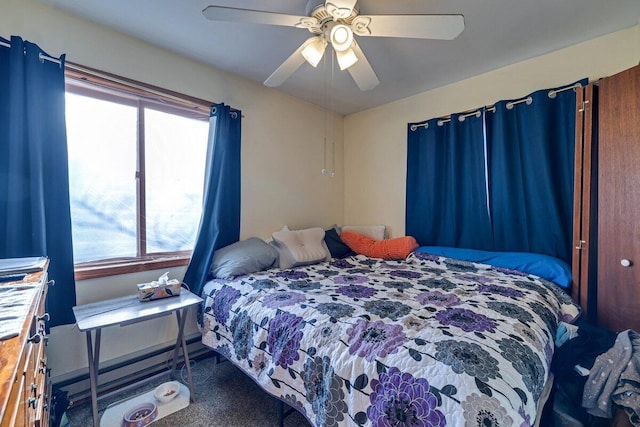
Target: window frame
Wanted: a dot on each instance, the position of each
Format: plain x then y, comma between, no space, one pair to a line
97,84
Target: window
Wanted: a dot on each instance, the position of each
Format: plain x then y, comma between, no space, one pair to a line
136,176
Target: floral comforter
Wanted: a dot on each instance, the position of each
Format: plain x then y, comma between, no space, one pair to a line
427,341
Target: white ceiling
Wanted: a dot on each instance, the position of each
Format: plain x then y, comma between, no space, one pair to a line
497,33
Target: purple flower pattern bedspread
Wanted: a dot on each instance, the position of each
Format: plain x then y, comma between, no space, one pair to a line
427,341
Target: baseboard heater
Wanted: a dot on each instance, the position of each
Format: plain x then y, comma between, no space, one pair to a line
116,376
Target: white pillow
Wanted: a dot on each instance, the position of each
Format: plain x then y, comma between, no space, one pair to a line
300,247
376,232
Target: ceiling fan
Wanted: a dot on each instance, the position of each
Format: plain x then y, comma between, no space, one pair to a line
335,22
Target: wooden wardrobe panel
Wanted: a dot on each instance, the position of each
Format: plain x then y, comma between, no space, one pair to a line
619,201
576,260
585,201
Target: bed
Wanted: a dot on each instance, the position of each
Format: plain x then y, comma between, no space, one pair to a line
423,341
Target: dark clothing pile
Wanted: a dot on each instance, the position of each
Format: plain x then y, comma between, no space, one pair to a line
582,350
615,379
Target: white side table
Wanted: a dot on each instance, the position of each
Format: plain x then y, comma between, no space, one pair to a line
126,311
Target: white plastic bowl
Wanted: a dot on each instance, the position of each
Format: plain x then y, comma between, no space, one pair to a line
167,391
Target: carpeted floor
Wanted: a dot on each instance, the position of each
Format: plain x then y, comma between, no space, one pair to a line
225,397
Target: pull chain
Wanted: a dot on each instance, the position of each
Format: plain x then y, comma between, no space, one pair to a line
324,114
333,118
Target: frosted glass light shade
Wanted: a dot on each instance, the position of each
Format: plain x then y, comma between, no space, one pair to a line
313,52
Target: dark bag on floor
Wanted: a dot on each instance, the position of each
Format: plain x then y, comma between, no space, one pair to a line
59,404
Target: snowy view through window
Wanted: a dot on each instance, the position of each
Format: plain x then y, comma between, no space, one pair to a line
102,144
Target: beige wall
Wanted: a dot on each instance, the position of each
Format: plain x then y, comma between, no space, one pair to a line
375,140
282,154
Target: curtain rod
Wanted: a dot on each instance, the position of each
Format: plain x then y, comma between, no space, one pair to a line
476,112
95,73
41,56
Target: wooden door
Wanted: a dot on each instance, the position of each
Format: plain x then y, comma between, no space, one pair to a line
619,201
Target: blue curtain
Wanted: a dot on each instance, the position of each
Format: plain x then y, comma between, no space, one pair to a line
530,153
220,221
446,195
35,218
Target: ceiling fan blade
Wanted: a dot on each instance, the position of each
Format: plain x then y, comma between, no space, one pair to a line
340,9
362,72
443,27
288,67
232,14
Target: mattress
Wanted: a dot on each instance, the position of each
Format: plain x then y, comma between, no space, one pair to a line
429,340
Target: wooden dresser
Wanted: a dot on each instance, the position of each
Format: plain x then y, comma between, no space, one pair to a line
25,387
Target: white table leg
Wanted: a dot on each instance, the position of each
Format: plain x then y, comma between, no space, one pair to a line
186,358
176,347
181,316
93,357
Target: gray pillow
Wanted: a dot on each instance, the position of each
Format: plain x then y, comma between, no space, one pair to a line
243,257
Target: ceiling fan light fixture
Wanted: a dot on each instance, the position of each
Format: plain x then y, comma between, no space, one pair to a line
314,50
336,22
341,37
346,58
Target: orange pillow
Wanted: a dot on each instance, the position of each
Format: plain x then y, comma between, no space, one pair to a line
396,248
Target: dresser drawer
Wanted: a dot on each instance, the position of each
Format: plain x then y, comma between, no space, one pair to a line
16,412
25,388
